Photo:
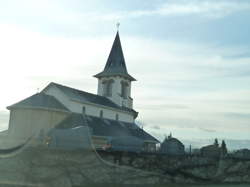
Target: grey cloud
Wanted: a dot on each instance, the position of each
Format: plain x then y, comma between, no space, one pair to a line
215,125
238,56
207,130
210,9
175,122
156,127
164,106
234,69
237,115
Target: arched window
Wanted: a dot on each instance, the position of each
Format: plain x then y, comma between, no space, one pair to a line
124,89
107,87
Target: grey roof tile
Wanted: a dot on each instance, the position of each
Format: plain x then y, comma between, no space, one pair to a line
106,127
91,98
115,64
40,100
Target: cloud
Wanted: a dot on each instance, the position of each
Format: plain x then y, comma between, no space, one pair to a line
207,130
205,117
153,106
238,56
236,115
205,8
156,127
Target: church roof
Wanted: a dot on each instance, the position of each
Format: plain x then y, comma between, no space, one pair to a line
82,96
115,64
210,147
106,127
40,100
172,140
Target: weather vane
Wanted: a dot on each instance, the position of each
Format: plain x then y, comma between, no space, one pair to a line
117,26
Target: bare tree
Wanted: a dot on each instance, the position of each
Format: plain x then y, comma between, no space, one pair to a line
223,148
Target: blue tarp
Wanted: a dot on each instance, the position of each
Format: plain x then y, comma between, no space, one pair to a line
74,138
127,144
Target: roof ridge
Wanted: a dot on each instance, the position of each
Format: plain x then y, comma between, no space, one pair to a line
96,95
48,101
57,84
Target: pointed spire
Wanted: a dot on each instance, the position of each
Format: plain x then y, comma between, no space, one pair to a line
115,64
116,59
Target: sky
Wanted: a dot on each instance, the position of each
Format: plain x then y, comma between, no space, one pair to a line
191,58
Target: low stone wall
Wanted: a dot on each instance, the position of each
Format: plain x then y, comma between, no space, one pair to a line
187,169
41,166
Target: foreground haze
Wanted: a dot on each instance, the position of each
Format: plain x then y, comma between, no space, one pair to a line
191,59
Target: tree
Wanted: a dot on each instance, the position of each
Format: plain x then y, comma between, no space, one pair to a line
223,148
216,142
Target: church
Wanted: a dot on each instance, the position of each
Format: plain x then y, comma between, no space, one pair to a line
109,113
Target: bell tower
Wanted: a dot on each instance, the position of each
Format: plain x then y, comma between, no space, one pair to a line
114,82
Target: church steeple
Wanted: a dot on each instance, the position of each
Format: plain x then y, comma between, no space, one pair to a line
115,65
114,82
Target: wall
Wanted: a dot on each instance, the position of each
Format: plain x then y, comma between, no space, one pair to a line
116,91
52,168
95,111
25,123
61,168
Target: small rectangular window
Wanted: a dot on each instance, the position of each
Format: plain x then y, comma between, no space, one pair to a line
101,114
83,110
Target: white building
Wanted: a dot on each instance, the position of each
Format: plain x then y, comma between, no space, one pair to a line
109,113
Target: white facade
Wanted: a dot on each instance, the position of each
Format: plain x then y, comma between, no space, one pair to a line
90,108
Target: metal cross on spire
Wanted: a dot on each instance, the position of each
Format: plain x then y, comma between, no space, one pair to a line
117,26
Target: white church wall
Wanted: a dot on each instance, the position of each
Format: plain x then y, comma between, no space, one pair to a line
95,111
25,123
100,88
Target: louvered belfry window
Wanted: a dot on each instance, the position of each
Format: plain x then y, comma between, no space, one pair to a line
108,86
124,89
